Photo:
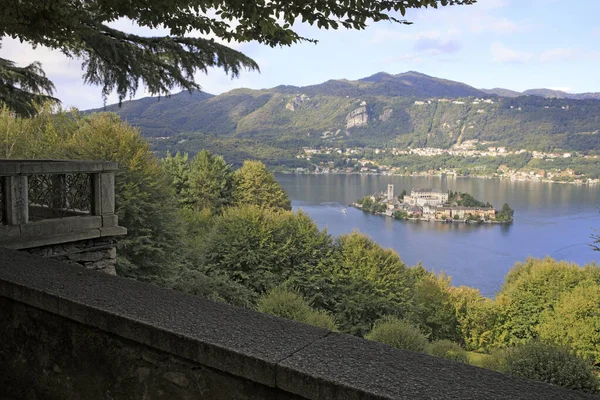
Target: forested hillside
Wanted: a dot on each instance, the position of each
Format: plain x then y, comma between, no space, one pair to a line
404,110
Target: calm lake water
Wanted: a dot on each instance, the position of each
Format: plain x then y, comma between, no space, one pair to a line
550,219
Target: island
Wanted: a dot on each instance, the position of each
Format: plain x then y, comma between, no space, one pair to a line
430,205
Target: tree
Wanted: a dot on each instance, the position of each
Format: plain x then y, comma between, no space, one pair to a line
505,214
575,321
23,88
117,60
359,282
434,311
211,182
177,170
530,288
143,199
261,248
476,316
254,184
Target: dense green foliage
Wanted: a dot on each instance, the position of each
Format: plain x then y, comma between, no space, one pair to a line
358,283
505,214
144,199
211,182
549,363
287,304
575,321
530,289
255,185
434,310
177,170
261,248
476,316
399,334
465,200
447,349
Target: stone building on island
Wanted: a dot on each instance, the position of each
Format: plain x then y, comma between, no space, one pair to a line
429,204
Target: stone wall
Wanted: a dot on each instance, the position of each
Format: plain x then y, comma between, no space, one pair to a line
61,359
98,254
67,332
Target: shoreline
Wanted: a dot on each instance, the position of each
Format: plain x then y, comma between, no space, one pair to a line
593,183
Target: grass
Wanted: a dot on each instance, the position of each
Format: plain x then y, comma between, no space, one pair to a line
476,359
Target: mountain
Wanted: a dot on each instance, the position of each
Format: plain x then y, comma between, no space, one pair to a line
148,112
404,110
559,94
408,84
502,92
547,93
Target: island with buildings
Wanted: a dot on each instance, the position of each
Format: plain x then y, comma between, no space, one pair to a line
430,205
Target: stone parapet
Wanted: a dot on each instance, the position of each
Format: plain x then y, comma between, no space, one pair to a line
72,333
47,204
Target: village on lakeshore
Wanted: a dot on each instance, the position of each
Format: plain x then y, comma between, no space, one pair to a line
430,205
376,161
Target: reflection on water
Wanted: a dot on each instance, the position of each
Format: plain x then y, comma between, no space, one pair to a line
550,219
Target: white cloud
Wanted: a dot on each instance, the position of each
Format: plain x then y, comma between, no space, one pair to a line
559,54
504,54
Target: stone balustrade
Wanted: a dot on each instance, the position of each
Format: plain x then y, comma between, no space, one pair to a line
60,208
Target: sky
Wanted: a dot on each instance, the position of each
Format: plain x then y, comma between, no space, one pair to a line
513,44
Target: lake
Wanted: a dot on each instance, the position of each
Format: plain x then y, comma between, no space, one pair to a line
551,219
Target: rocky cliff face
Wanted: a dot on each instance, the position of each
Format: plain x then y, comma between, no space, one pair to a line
296,102
358,117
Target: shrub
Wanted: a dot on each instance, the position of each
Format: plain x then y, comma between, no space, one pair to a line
398,333
290,305
321,319
447,349
550,363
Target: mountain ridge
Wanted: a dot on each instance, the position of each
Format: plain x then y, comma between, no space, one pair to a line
409,109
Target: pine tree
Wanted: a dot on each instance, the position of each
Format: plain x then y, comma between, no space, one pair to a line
211,180
177,169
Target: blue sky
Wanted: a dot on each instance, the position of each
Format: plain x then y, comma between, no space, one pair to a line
514,44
